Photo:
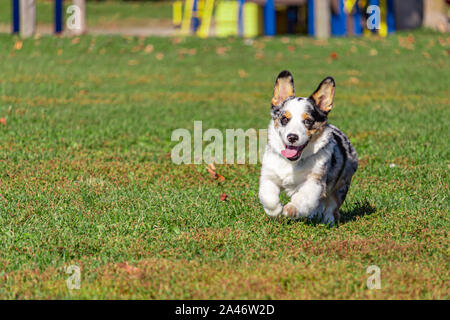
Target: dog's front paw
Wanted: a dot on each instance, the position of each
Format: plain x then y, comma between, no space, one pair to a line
290,211
274,212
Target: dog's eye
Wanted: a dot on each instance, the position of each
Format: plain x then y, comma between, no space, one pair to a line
284,120
309,122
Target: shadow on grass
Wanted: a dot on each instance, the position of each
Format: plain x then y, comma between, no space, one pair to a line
358,209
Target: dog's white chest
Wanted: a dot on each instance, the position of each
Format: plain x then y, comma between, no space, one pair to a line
290,176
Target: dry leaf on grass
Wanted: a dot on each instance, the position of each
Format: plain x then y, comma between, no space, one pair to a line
176,40
149,48
259,55
129,269
221,50
242,73
18,45
353,80
334,55
211,168
223,197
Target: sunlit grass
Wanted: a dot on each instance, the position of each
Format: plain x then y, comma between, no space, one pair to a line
86,176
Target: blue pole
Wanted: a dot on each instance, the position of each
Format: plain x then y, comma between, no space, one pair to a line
195,21
311,15
339,21
269,18
357,21
15,16
241,18
58,16
390,16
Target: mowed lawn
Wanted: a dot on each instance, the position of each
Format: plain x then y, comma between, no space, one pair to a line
86,177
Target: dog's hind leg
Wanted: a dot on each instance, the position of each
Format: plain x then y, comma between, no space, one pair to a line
334,202
329,215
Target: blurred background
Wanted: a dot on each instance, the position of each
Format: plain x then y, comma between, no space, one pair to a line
222,18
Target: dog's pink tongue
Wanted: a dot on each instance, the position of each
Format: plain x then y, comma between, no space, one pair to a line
289,153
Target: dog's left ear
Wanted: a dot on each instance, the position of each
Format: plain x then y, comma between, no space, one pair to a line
283,89
324,95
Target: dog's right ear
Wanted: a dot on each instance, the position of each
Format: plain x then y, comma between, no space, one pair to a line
284,88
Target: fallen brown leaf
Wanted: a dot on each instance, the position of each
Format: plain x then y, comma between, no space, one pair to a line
353,80
149,48
242,73
221,50
129,269
259,55
211,168
18,45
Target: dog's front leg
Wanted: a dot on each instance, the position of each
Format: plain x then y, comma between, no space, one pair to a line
305,201
269,195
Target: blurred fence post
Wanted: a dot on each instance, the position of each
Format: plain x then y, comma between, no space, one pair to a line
27,10
15,16
322,18
58,15
81,4
269,18
319,18
435,15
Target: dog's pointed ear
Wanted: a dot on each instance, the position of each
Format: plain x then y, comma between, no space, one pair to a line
324,95
283,89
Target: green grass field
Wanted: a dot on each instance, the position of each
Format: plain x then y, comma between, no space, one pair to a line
86,177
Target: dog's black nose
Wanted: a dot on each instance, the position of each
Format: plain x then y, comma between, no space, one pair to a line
292,137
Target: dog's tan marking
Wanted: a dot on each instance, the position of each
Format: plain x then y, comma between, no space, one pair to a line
316,176
317,129
288,115
290,210
276,122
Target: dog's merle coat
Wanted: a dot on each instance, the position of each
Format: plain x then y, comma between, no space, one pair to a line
308,158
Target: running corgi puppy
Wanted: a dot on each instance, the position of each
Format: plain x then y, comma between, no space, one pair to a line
308,158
